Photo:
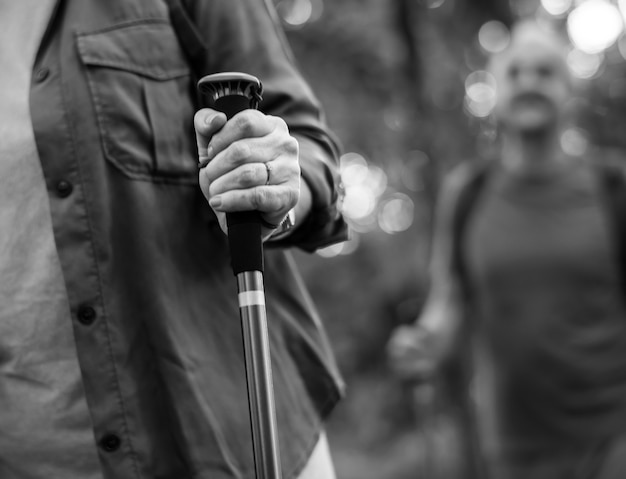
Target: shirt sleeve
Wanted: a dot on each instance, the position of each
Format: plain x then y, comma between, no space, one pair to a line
245,35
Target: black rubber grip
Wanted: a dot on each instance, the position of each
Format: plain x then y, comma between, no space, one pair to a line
244,228
245,242
232,104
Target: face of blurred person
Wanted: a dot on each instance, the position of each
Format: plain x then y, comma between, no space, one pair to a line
533,82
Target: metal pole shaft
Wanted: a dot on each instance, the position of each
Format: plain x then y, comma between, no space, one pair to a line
259,374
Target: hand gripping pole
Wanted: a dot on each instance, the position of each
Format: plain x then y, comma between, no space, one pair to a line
231,93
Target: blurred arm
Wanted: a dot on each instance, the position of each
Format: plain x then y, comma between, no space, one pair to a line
418,350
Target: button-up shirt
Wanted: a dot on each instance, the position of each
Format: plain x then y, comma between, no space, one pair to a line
146,266
45,427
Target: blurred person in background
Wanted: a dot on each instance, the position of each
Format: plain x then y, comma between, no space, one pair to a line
120,345
526,269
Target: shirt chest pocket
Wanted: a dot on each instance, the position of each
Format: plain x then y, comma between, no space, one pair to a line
140,85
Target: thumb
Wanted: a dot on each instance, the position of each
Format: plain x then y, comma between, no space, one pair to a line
207,122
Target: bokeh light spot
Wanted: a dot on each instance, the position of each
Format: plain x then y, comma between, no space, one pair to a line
358,202
595,25
494,36
364,185
396,214
556,7
622,7
353,169
296,13
480,93
621,45
574,141
584,65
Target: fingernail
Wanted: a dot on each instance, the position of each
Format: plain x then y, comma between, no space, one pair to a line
215,202
209,152
212,121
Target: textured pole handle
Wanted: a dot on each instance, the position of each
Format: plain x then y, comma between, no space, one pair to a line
232,93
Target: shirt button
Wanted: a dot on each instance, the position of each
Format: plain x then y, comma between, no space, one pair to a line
86,315
42,74
64,188
110,443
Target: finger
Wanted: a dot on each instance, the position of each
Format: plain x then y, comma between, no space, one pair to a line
250,175
245,124
242,177
400,331
206,123
254,150
403,337
402,355
274,200
238,153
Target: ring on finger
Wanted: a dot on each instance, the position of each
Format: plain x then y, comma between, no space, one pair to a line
268,168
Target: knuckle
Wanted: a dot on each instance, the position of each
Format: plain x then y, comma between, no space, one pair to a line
240,152
291,146
279,123
259,198
244,123
248,175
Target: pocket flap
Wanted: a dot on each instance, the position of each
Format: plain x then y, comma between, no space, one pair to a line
148,48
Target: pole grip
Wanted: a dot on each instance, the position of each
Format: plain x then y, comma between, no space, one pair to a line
245,241
244,228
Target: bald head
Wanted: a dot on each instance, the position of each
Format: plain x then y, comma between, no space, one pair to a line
530,40
533,80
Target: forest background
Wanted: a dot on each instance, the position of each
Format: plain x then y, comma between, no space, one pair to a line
404,86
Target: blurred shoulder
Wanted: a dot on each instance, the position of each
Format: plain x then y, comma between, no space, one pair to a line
462,175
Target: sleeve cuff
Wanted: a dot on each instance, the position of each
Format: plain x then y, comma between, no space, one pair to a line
324,225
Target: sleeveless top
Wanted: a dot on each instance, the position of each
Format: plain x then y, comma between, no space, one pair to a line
551,318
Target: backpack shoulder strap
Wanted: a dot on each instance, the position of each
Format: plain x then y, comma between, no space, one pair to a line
467,197
613,182
189,37
465,206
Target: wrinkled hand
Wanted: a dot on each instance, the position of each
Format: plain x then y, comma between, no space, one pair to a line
412,354
252,164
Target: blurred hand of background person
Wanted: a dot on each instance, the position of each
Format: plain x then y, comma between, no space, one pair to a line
252,165
413,354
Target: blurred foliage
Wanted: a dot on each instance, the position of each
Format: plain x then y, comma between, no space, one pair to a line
391,76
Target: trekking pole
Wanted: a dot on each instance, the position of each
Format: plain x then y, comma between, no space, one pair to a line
231,93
